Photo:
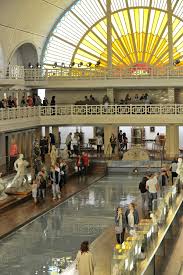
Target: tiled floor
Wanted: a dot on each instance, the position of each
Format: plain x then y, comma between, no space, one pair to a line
50,242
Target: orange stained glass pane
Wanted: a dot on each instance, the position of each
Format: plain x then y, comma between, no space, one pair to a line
126,60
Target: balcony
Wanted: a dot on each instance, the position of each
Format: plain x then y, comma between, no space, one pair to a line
102,77
12,75
29,117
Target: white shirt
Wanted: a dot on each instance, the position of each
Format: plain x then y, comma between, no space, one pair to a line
174,167
151,184
99,140
131,219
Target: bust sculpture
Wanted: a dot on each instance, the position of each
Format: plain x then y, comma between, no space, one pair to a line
3,195
20,178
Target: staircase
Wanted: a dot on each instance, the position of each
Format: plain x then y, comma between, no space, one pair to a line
99,168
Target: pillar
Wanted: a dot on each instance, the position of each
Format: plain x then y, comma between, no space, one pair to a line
170,32
47,131
109,35
108,130
110,94
172,141
2,152
56,134
171,95
38,133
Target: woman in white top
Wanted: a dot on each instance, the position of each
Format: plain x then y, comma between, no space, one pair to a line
132,216
84,260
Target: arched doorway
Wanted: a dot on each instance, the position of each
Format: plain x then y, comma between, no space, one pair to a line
24,55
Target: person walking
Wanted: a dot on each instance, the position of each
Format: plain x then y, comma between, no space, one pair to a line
173,169
99,141
144,192
84,260
42,185
79,165
132,216
120,225
54,177
162,181
113,143
68,143
152,187
35,190
85,161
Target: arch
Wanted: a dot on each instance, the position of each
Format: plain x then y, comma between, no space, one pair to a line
139,34
24,54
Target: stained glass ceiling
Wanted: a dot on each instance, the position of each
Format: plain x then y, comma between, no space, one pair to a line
139,34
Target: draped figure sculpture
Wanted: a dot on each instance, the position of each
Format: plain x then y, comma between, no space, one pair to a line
3,195
180,169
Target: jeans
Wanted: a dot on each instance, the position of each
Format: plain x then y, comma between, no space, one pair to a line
113,148
42,193
120,237
99,148
152,196
56,190
145,200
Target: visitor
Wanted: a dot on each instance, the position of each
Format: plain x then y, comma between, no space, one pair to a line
127,99
35,189
132,217
54,177
84,260
29,101
157,139
162,181
99,141
79,165
23,102
144,192
53,103
13,154
152,187
45,102
113,143
42,185
120,136
74,143
68,143
37,165
173,169
124,141
85,161
136,97
120,225
63,173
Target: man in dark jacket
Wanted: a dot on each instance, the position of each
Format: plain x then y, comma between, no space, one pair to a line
144,192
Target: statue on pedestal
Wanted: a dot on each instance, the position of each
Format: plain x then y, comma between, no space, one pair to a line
53,155
20,181
3,195
180,169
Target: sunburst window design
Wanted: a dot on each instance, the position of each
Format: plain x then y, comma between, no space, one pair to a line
139,34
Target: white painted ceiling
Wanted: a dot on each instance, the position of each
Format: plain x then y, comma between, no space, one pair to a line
28,21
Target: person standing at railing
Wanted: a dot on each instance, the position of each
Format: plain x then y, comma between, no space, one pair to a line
113,142
152,187
23,102
53,103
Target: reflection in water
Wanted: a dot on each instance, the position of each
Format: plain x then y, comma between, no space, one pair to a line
50,243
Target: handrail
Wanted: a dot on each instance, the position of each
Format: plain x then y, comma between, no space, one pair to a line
12,72
104,73
91,110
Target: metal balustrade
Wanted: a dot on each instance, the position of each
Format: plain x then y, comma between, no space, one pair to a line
90,110
104,73
12,72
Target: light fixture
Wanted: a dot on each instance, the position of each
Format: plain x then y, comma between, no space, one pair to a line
55,65
38,65
176,62
30,65
72,64
89,64
80,64
98,63
63,65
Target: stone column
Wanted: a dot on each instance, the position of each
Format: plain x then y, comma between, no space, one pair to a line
108,130
47,131
110,94
55,132
171,95
172,141
38,133
2,152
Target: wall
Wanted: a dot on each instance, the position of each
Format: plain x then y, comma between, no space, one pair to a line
70,97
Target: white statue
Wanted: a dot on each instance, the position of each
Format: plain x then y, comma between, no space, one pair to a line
20,179
53,155
179,170
3,195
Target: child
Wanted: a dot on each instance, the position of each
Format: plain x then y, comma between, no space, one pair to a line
34,190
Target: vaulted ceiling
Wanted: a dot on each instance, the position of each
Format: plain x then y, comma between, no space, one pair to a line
28,21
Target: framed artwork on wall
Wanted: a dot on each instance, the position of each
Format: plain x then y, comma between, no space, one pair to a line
152,129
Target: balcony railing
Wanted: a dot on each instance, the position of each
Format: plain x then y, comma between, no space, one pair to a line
90,110
12,72
103,73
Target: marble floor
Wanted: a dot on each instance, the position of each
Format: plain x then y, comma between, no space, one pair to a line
48,245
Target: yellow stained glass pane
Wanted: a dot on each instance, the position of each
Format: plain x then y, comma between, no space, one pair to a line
146,12
93,36
90,45
155,21
127,22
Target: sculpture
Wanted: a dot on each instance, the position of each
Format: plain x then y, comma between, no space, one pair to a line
53,155
65,154
20,180
3,195
179,170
